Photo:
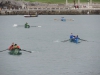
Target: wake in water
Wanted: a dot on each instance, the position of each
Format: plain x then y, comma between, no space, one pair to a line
56,41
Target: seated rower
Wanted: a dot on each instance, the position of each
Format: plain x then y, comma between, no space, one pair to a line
16,46
26,25
63,19
71,37
15,50
76,39
11,47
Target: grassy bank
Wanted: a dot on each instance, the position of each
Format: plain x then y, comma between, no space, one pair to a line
60,1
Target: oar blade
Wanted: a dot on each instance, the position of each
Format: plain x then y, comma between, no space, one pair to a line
35,26
83,40
26,51
4,50
65,40
15,25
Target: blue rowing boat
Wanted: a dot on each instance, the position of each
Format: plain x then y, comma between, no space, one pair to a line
63,19
75,40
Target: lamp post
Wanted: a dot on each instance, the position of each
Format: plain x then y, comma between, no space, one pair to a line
88,3
74,3
88,7
66,2
78,2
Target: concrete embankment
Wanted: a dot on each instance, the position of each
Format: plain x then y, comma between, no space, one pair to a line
52,12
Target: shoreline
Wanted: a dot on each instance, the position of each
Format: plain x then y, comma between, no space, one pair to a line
51,9
52,12
22,8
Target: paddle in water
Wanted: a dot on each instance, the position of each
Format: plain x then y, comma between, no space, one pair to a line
26,50
65,40
83,40
4,50
16,25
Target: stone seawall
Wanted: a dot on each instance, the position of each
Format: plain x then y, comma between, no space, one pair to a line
53,12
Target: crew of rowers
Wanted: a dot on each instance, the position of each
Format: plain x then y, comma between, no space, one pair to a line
14,46
74,38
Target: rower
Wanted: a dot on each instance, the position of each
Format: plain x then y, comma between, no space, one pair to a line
76,39
71,37
11,47
16,46
26,25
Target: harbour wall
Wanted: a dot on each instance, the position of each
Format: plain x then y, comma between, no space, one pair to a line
52,12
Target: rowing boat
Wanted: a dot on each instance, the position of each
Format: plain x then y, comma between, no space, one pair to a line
27,26
75,40
30,15
63,19
15,52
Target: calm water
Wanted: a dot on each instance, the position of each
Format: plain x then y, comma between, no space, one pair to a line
51,56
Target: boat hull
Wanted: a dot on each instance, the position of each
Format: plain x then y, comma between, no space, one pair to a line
74,40
63,19
15,52
30,15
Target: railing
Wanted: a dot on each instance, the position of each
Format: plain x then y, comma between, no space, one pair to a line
51,9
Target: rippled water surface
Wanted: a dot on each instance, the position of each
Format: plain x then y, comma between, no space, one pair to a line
51,56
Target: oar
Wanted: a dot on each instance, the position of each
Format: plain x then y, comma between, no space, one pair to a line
26,50
29,25
4,50
35,26
15,25
57,19
65,40
86,40
83,40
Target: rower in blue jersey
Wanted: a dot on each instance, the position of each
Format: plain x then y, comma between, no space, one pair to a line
71,37
63,19
76,39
